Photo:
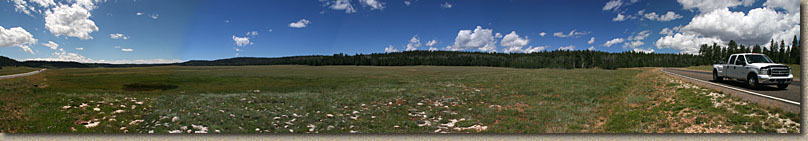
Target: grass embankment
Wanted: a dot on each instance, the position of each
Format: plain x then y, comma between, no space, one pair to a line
795,69
16,70
657,103
334,99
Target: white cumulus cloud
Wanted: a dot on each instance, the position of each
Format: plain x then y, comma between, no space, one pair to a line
341,5
446,5
80,48
127,49
759,26
52,45
650,50
705,6
118,36
613,42
591,48
432,43
480,38
636,39
17,36
640,35
664,18
533,49
666,31
44,3
620,17
242,41
591,41
71,21
373,4
612,5
792,6
685,42
413,44
300,23
513,42
572,33
568,48
542,34
255,33
390,49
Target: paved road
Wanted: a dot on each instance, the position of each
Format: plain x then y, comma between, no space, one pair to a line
21,74
791,93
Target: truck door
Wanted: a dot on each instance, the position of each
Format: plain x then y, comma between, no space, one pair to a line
740,67
729,68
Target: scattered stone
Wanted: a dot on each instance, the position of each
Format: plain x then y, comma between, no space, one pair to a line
135,122
92,124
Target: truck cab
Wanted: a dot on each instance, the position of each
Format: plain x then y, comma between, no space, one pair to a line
754,69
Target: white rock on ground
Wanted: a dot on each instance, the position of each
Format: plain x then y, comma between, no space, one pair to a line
92,124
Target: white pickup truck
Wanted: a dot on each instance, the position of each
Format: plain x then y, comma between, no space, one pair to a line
755,69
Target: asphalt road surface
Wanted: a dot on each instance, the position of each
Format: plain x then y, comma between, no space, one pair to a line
21,74
791,93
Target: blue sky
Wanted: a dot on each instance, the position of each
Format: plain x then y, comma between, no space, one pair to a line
180,30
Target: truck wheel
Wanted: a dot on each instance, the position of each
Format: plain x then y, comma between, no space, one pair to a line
716,78
782,86
752,81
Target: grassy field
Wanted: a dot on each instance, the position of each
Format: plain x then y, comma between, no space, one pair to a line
360,99
16,70
795,69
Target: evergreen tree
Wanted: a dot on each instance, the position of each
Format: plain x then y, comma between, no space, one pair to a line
756,49
744,49
717,52
795,51
732,47
773,51
782,52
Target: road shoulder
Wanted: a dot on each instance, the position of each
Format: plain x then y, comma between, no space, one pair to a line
767,102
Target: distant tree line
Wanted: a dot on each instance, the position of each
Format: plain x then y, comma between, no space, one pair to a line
707,54
551,59
5,61
779,53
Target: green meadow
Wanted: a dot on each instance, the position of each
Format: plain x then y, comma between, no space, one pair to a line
365,99
15,70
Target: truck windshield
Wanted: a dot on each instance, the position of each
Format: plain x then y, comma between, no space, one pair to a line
758,59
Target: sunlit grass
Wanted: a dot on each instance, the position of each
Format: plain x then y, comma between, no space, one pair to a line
332,99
